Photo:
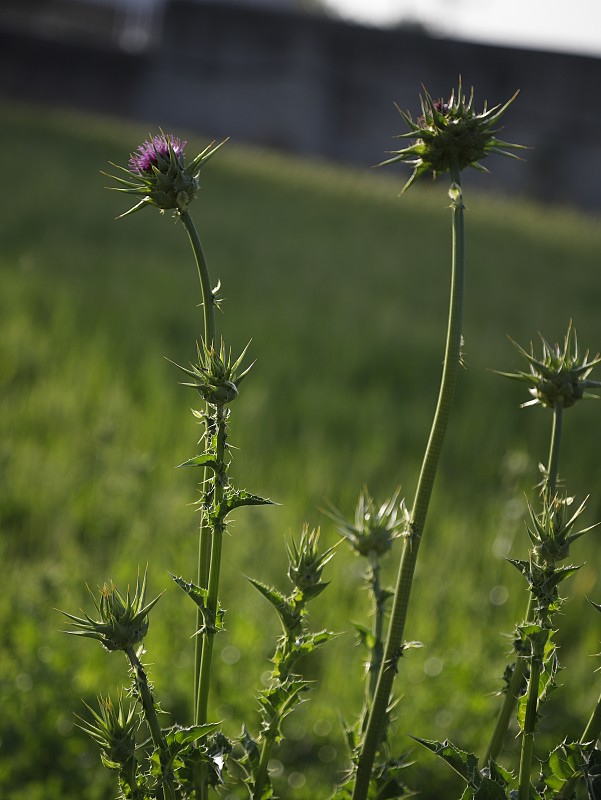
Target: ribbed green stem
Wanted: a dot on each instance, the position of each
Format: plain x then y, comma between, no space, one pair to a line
263,764
514,689
209,337
527,751
377,626
510,698
592,732
378,717
208,300
151,718
553,465
215,566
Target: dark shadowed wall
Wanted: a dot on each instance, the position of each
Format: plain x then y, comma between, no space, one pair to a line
319,87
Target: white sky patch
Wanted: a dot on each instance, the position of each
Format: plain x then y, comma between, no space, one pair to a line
573,26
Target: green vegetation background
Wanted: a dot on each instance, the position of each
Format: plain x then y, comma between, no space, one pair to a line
342,288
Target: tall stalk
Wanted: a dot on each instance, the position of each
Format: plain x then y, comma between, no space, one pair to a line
377,720
205,537
214,569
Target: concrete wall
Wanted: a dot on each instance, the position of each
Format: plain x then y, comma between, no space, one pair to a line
315,86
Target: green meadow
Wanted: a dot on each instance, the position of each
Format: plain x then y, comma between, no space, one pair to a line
341,286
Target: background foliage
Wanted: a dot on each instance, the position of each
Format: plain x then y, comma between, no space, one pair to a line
342,287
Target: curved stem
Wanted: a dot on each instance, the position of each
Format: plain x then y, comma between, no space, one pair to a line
378,717
208,299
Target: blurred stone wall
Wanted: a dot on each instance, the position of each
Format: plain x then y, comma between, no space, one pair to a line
314,86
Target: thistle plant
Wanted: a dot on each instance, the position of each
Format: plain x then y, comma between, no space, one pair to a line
175,762
556,380
371,535
187,762
448,137
285,687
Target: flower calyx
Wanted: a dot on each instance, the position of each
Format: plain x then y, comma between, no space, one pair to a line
559,377
375,527
123,622
215,376
114,730
551,532
449,136
157,173
305,563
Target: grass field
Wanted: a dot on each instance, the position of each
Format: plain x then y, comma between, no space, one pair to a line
342,287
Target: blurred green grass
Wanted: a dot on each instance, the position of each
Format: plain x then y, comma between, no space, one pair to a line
342,287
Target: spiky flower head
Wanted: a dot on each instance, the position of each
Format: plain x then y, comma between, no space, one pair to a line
375,527
123,619
216,377
114,730
449,136
551,532
305,563
157,173
559,377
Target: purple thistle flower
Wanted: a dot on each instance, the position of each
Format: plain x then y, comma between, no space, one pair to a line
156,173
150,153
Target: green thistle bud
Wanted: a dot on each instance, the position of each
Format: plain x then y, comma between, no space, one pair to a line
158,174
305,564
551,531
450,136
215,376
114,730
374,528
560,376
123,620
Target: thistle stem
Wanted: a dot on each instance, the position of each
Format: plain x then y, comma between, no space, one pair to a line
511,696
150,715
553,465
378,717
204,541
376,628
208,299
527,751
263,765
218,528
592,732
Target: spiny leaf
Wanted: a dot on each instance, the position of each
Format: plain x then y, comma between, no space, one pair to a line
464,763
203,460
212,623
239,497
286,610
178,738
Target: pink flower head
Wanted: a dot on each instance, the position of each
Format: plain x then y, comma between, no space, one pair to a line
151,153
